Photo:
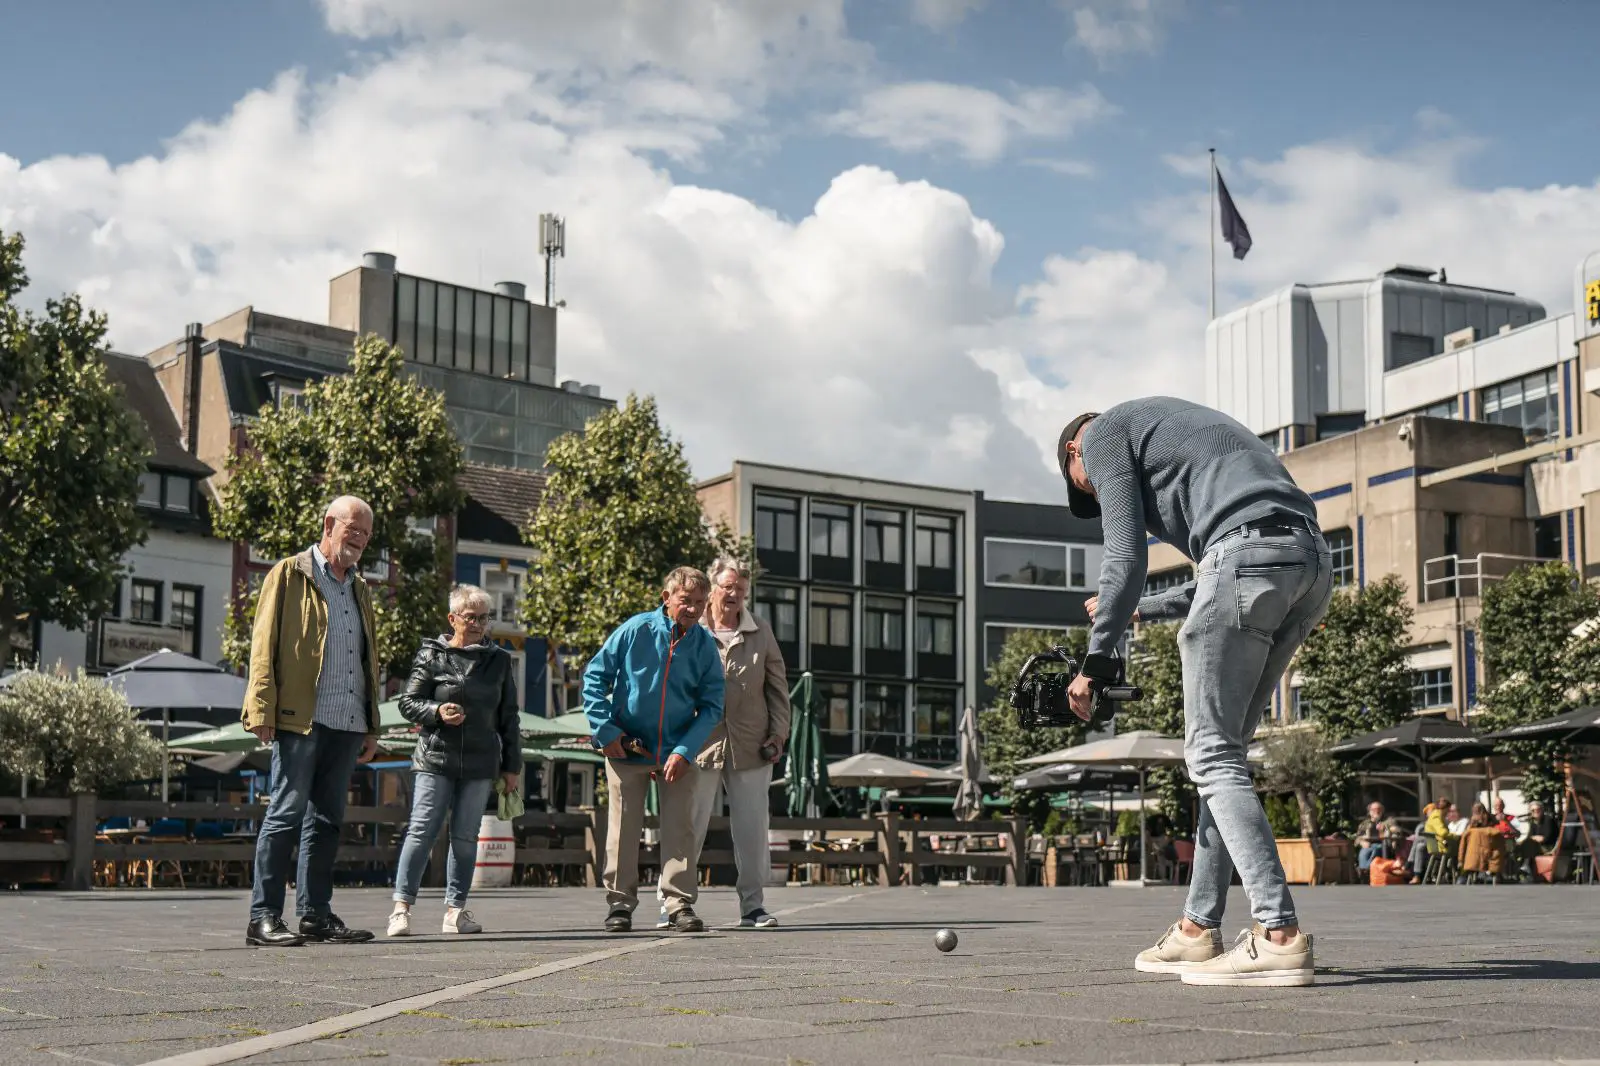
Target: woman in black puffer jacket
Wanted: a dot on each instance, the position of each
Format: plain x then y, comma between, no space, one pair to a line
464,696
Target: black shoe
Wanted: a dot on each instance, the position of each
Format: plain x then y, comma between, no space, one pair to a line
619,920
271,933
684,920
330,929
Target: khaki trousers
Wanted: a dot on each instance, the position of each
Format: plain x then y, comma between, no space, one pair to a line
627,784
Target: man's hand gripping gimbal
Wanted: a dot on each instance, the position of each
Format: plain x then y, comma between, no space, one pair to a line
1040,696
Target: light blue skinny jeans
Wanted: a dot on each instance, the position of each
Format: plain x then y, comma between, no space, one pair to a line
435,797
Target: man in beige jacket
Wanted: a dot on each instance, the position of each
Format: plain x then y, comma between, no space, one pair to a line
739,757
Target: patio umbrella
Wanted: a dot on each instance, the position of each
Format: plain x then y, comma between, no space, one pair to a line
969,796
806,774
1073,777
169,681
1414,744
1140,749
227,738
1581,726
869,769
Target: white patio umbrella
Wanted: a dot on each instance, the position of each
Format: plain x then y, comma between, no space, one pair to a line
1141,749
170,681
969,796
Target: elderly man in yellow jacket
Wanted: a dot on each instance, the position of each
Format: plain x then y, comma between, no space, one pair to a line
313,695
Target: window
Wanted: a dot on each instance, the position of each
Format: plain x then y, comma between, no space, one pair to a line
830,619
1547,537
936,628
144,603
1431,688
1529,403
1299,706
995,635
186,616
883,720
505,589
779,606
1408,348
830,530
1025,562
180,494
831,553
777,523
375,567
149,489
935,542
405,314
1450,408
1273,440
933,725
519,674
1339,423
502,336
463,329
444,348
1167,580
835,718
519,341
885,624
482,333
1342,545
427,312
289,395
883,536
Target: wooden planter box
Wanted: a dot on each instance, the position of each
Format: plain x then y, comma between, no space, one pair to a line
1301,865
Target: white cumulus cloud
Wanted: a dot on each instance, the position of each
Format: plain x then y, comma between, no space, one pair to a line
977,123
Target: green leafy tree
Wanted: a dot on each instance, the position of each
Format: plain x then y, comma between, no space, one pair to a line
373,433
1005,742
619,512
1156,667
1297,761
1536,666
1353,665
75,734
70,458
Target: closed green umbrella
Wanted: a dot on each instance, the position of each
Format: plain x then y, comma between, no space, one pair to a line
806,768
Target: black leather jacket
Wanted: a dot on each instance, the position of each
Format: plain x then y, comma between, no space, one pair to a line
479,679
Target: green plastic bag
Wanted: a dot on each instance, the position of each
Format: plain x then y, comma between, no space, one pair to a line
510,802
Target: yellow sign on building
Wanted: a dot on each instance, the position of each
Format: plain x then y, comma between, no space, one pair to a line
1591,300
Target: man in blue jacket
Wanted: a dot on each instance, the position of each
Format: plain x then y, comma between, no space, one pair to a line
653,695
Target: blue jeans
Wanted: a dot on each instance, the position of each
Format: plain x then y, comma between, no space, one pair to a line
1368,853
1257,597
310,782
435,797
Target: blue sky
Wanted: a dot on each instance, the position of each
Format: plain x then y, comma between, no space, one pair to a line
1352,135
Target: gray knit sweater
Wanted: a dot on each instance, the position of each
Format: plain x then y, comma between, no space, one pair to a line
1185,474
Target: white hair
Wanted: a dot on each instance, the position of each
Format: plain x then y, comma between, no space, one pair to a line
726,563
345,506
464,596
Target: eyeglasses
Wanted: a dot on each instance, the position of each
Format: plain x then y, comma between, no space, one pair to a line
473,619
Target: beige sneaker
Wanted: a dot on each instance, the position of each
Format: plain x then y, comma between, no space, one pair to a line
1255,960
400,923
460,921
1175,953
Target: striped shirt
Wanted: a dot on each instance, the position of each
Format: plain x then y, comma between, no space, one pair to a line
342,685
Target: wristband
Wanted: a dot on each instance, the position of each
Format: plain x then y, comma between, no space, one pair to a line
1106,669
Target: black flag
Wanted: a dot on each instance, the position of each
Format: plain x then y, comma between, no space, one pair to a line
1234,231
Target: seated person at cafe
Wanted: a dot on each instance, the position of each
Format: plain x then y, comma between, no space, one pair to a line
1455,821
1375,836
1503,821
1541,837
1435,826
1483,847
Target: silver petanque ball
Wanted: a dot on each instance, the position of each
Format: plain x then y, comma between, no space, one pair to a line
945,940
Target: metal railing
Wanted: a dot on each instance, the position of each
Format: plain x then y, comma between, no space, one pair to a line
1448,577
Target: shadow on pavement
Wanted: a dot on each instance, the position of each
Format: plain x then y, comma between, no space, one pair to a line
1483,970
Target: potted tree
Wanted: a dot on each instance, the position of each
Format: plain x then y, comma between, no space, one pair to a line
68,735
1297,762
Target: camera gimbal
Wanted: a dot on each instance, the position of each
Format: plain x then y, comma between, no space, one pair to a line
1040,696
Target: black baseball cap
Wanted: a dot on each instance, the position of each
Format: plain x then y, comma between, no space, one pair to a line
1080,503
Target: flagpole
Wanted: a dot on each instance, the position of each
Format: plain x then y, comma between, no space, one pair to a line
1212,231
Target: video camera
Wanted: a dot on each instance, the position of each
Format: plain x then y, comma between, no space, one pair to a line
1040,696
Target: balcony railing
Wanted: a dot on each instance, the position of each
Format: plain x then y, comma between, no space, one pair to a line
1448,577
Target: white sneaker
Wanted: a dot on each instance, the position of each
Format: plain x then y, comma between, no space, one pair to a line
460,921
1255,960
758,919
1175,953
400,923
664,922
